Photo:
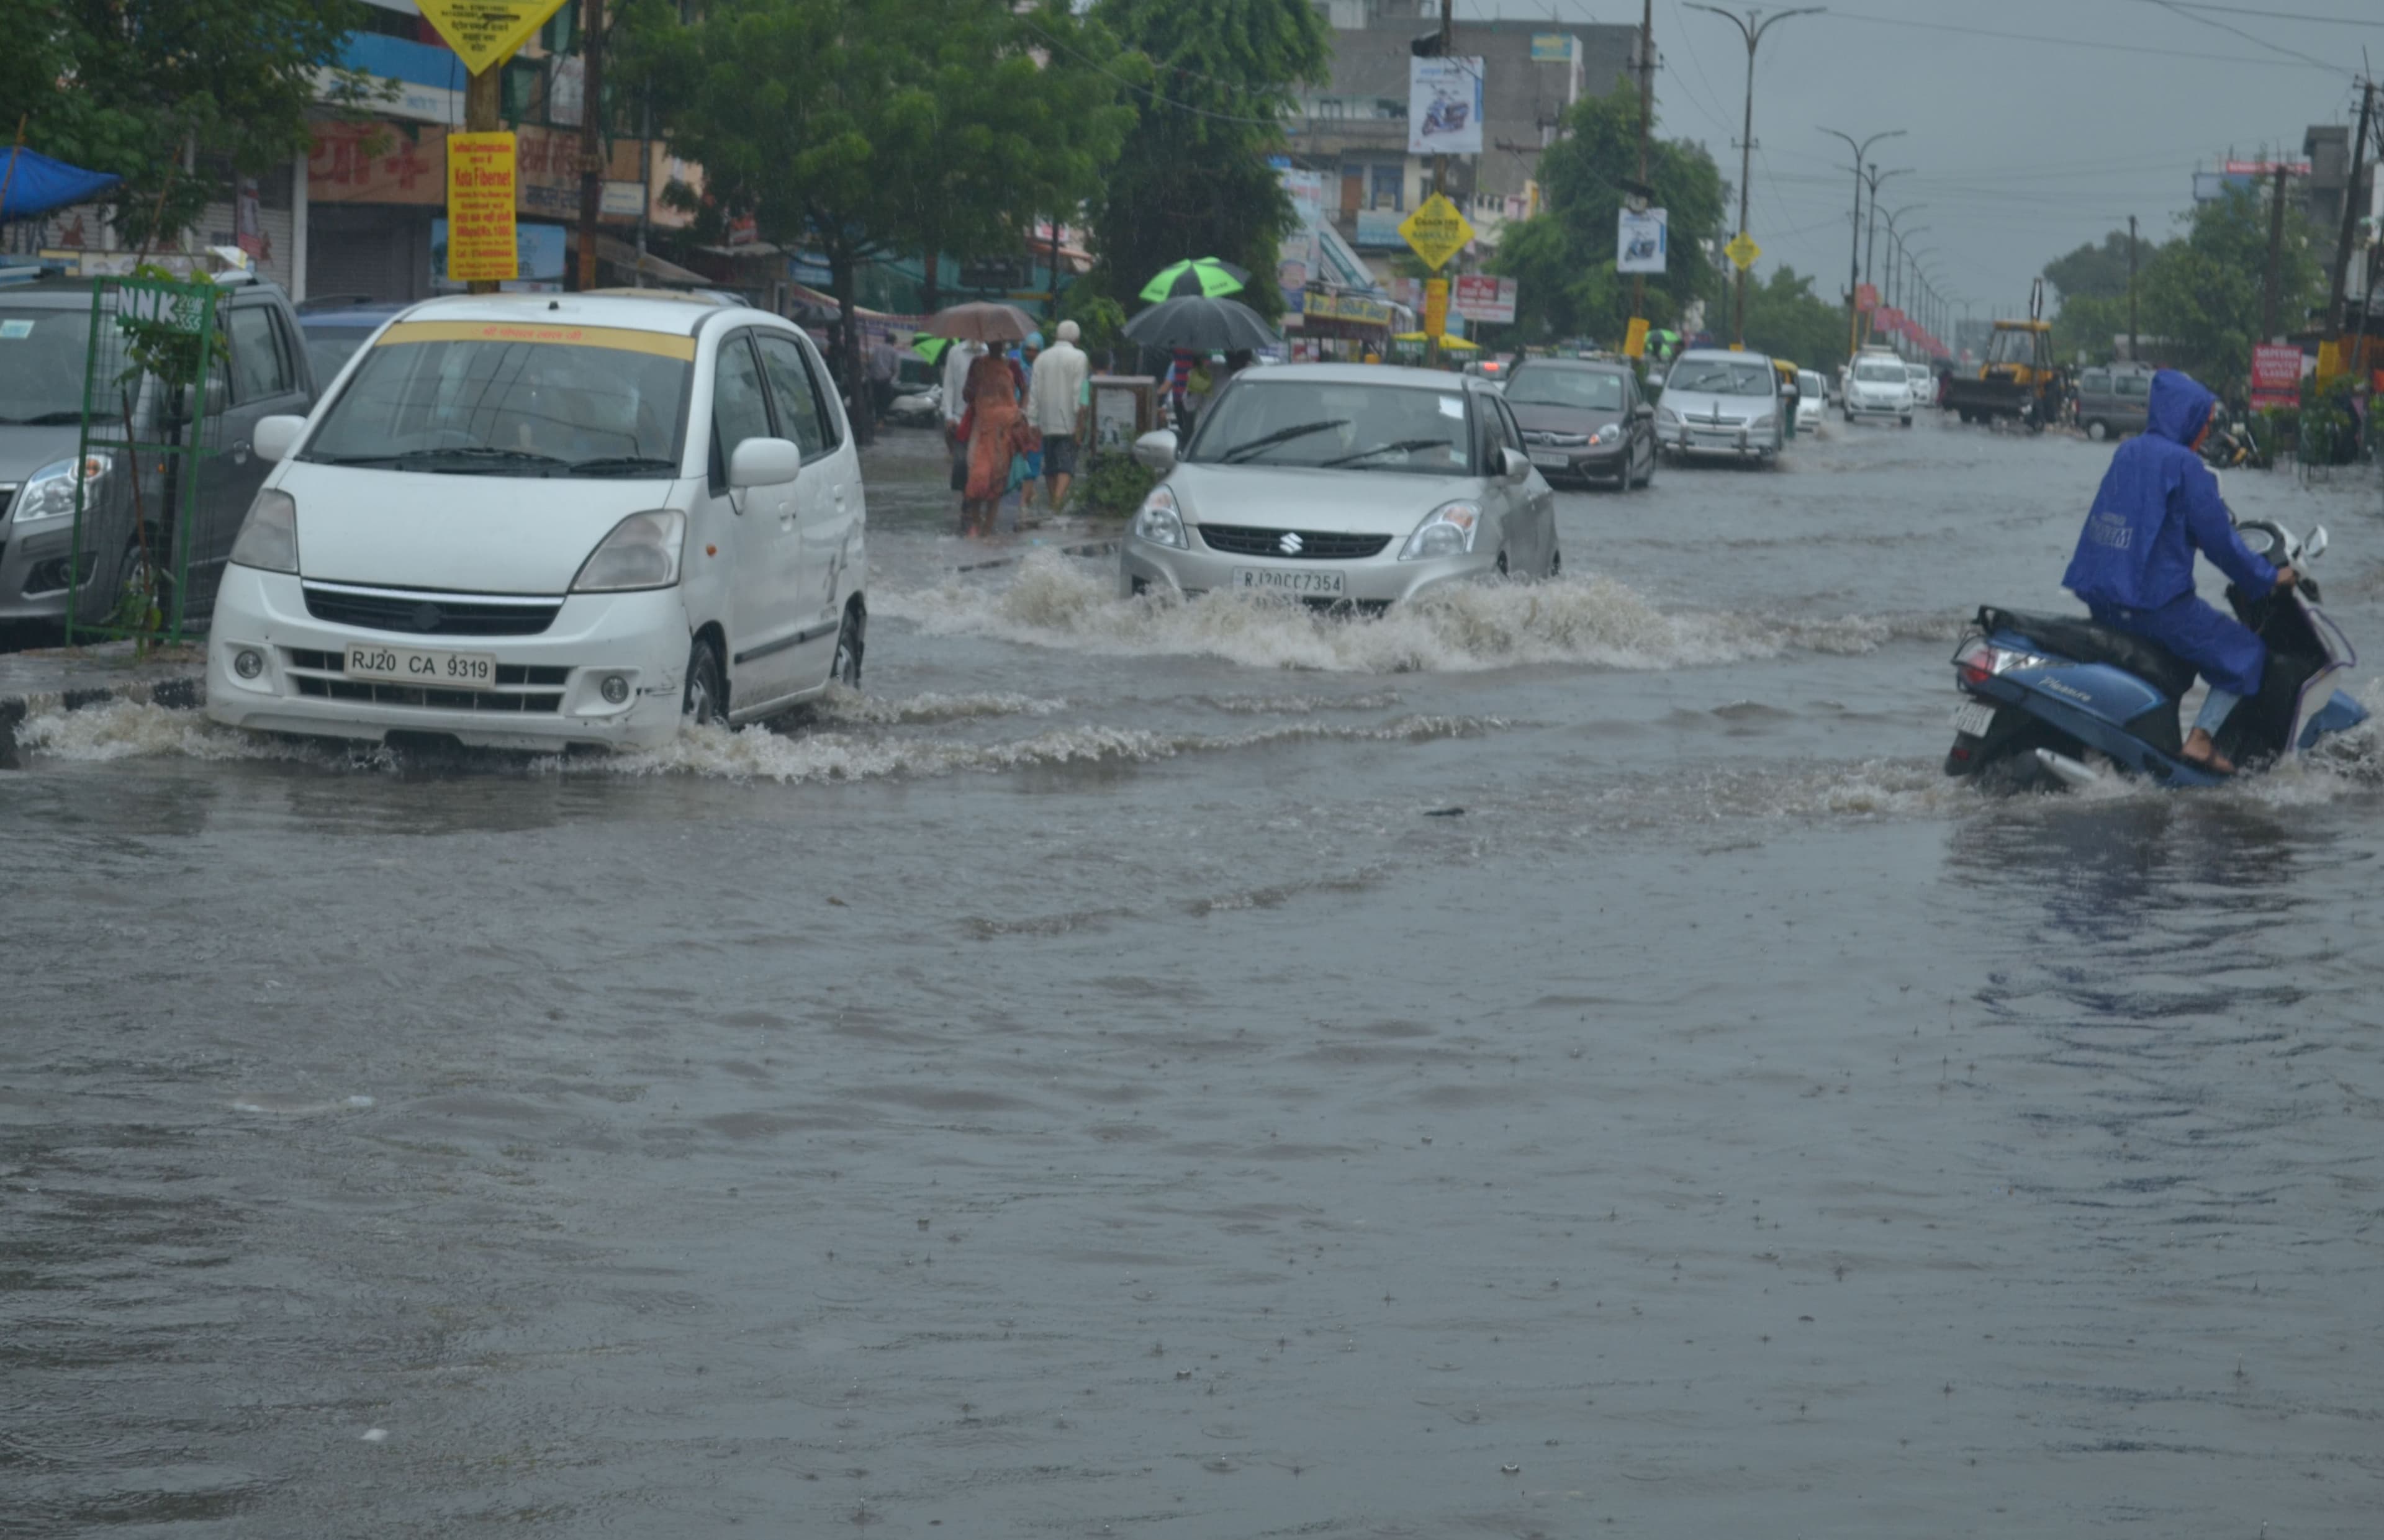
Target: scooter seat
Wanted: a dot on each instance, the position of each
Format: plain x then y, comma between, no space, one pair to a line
2081,641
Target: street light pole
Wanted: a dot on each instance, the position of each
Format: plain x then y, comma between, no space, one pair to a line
1853,256
1751,27
1872,241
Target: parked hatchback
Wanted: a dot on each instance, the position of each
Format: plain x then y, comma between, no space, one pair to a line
45,354
1584,421
531,522
2111,400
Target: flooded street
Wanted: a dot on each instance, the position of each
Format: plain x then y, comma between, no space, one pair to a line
1557,1060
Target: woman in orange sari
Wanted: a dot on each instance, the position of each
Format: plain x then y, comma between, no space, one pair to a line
995,428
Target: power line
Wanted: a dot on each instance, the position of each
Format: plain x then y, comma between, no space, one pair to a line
2278,16
2175,9
2136,49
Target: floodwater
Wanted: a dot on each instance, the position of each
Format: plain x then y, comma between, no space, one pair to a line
1100,1083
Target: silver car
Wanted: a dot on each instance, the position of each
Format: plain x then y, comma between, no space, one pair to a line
1341,484
1721,403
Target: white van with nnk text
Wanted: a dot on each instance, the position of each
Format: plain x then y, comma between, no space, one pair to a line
529,522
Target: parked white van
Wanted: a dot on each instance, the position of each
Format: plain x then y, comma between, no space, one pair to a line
527,521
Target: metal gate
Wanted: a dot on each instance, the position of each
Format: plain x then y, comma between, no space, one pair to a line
154,381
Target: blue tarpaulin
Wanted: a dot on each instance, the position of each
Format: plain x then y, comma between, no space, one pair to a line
38,184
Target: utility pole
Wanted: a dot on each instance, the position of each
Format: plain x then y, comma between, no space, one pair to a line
1871,241
1439,186
2132,288
2350,211
1853,256
591,138
1751,27
2272,296
1646,121
484,113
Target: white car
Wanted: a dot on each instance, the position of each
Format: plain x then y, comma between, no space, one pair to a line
535,522
1812,403
1341,484
1717,402
1924,384
1879,388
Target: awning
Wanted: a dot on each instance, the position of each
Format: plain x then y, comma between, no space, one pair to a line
622,254
36,184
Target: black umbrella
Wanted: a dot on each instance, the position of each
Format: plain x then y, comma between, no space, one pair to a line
1201,324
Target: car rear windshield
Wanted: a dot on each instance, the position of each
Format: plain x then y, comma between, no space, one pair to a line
466,397
1586,389
1881,374
1336,424
1720,378
42,356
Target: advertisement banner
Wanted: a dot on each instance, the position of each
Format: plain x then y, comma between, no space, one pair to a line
480,242
1641,242
1485,300
1378,228
1551,47
1865,297
1445,106
2276,375
1357,309
1436,307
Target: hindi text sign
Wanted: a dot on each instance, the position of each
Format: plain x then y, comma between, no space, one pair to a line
480,245
484,33
1437,231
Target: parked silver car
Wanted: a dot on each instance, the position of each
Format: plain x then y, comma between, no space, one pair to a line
1717,402
45,351
1340,483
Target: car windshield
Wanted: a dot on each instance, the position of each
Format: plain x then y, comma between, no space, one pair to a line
42,358
1879,373
1339,424
465,397
1584,390
1721,377
1809,383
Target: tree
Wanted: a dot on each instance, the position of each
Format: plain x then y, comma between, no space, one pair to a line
861,128
2097,271
2205,293
138,87
1193,178
1786,319
1562,260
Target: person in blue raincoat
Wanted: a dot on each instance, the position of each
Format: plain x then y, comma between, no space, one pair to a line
2134,564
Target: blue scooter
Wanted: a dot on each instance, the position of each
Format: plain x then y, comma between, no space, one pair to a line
2042,692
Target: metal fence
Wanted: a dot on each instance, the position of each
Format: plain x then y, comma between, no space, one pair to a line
154,385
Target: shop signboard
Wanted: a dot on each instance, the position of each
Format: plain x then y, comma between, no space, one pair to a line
1485,299
1378,229
1357,309
2276,375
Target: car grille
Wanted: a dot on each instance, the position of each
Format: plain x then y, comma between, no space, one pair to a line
1543,439
429,614
1307,545
520,688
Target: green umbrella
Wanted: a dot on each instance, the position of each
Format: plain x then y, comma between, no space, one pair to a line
930,348
1203,276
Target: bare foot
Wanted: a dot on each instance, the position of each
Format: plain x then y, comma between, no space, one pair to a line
2200,751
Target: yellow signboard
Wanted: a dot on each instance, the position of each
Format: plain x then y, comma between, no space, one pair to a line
1437,231
1634,342
481,208
484,33
1436,306
1743,251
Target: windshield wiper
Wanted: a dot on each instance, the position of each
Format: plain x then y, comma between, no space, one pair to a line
351,459
479,459
45,419
1394,447
1240,453
622,465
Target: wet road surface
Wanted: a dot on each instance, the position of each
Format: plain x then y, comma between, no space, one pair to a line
1080,1088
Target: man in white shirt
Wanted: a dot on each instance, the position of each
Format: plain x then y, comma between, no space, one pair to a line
1055,405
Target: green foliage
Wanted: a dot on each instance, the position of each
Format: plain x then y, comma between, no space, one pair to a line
1115,484
1786,319
1563,258
132,86
1212,80
1102,318
2199,294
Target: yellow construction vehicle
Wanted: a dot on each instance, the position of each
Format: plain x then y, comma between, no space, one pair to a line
2020,379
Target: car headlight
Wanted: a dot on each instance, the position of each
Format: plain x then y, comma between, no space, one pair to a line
1767,420
1160,522
1610,433
1666,415
641,553
49,492
1448,531
269,537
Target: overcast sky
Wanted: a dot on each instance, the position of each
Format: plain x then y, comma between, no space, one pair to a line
2021,150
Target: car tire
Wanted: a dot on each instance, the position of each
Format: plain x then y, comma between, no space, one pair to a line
851,638
704,702
2098,431
1907,419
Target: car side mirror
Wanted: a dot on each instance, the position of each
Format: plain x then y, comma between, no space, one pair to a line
2314,547
275,436
1514,465
1156,451
764,463
1642,412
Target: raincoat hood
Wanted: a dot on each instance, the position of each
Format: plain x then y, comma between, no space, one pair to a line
2178,408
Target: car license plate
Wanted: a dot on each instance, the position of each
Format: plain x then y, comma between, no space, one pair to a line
1973,719
1552,459
412,665
1302,584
